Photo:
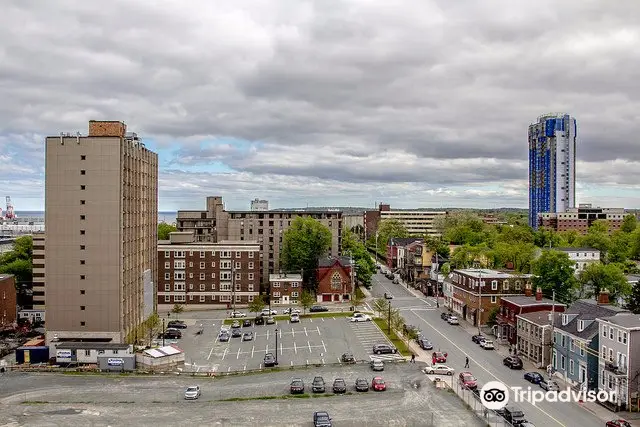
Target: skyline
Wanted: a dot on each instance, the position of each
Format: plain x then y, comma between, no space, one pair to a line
415,106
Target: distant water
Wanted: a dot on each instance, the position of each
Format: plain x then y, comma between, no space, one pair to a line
163,216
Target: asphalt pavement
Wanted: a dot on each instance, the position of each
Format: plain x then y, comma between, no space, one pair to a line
486,365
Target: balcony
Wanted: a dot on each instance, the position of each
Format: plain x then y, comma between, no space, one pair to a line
615,369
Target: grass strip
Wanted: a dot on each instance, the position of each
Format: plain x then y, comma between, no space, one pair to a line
393,337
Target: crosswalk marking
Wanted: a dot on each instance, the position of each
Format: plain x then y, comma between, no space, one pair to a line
387,357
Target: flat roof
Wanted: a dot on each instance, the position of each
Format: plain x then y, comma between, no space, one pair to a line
539,318
286,277
490,274
70,345
523,300
625,320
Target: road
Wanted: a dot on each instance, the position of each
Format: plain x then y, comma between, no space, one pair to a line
486,365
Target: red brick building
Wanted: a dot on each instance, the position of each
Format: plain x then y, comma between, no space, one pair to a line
512,306
335,282
394,258
285,288
207,275
8,299
581,218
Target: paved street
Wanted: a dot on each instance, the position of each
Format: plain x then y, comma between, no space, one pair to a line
69,400
486,365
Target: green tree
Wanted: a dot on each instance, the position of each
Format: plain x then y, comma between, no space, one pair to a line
306,301
22,269
445,269
516,233
358,298
568,238
257,304
597,237
177,308
633,301
620,247
388,229
365,266
635,244
465,229
545,238
605,276
493,317
164,229
304,242
381,306
553,270
629,224
437,245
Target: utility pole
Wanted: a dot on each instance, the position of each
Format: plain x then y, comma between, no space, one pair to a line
233,284
351,273
480,303
376,252
389,319
553,321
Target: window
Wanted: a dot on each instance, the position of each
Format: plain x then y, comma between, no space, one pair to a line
201,254
167,298
581,349
167,254
167,287
82,307
604,352
563,341
610,355
602,375
190,275
494,300
276,284
81,291
179,298
190,264
505,286
191,297
213,264
82,232
562,362
571,364
82,277
610,333
83,187
225,265
179,264
167,265
295,284
238,298
250,288
624,338
494,285
190,253
167,276
276,294
82,323
580,325
336,281
250,298
202,297
213,275
202,286
251,254
571,344
179,286
83,157
202,266
178,254
238,254
202,276
87,353
294,294
225,254
225,286
82,262
238,276
238,287
225,298
83,217
250,266
238,265
517,285
83,172
250,276
619,335
604,331
179,275
82,247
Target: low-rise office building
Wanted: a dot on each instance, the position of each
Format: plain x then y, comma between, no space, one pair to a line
70,352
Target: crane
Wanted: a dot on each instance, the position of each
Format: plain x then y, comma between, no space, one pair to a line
9,214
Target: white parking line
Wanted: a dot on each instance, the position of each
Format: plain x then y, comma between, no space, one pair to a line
309,344
318,329
267,349
210,353
324,346
293,333
311,320
280,348
245,368
229,369
225,353
322,360
333,318
280,333
238,356
305,331
322,319
267,334
292,363
295,349
252,350
339,360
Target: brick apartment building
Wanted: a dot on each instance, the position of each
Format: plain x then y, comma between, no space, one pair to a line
285,288
264,227
473,289
206,274
8,300
335,282
581,218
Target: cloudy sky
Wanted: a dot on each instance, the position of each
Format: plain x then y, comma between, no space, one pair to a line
327,102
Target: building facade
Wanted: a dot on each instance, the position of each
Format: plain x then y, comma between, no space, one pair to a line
38,272
8,300
417,222
335,279
101,211
581,218
285,289
202,275
552,165
396,250
475,291
582,257
534,336
267,228
258,205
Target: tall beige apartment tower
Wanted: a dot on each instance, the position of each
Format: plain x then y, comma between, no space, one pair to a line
101,214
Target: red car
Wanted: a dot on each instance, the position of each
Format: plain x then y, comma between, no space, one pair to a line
378,384
618,423
468,380
438,357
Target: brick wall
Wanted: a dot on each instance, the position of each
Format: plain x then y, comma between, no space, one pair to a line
8,300
107,128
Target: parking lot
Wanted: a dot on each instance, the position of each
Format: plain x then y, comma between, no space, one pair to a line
311,341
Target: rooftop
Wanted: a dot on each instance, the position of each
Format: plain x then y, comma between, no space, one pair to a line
624,320
402,241
587,309
345,261
585,249
540,318
71,345
522,300
5,276
493,274
295,277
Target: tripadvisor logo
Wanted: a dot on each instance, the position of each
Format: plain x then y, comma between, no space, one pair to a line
496,395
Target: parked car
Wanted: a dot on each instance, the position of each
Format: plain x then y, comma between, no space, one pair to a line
291,311
440,370
513,362
477,338
549,385
618,423
235,324
318,309
339,386
487,344
235,314
318,386
514,415
378,384
438,357
389,275
236,333
388,296
468,380
376,365
445,316
295,318
247,336
172,333
271,320
360,317
224,337
296,386
533,377
384,349
192,392
321,419
265,312
178,324
246,323
425,344
453,320
259,320
347,358
362,384
269,360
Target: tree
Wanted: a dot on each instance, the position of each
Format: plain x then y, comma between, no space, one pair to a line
257,304
553,270
164,229
437,245
597,237
397,321
306,300
605,276
493,317
21,268
445,269
620,247
177,308
304,242
633,301
516,233
365,267
629,224
388,229
18,261
381,305
358,298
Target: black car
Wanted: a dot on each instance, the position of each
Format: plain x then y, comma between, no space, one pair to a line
384,349
513,362
318,386
223,337
172,334
236,333
533,377
296,386
425,344
478,338
514,415
318,309
362,384
339,386
258,320
347,358
246,323
179,324
269,360
445,316
321,419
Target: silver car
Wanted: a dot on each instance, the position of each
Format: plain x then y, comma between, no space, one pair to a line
440,370
192,392
377,365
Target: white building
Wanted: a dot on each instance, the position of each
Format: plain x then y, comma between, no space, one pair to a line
581,256
87,352
258,205
417,222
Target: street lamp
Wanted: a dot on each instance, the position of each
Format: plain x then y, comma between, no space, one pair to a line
276,346
163,331
389,319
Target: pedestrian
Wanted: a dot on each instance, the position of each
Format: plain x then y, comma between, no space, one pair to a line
413,358
466,362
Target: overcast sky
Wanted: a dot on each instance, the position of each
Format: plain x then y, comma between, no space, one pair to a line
327,102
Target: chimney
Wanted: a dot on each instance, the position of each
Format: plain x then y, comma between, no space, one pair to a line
539,294
527,290
603,298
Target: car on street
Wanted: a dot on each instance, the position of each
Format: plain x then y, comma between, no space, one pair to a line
295,318
246,323
388,296
362,384
192,392
533,377
269,360
468,380
478,338
321,419
339,386
549,385
487,344
247,336
514,415
265,312
618,423
318,386
296,386
445,316
224,337
318,309
425,344
440,370
172,334
235,314
453,320
377,365
347,358
235,324
513,362
258,320
178,324
236,333
389,275
384,349
360,317
438,357
271,320
378,384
